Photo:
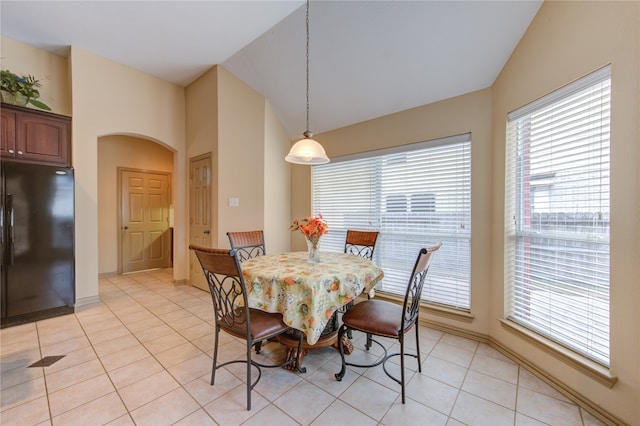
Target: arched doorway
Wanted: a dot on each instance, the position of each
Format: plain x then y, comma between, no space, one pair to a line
144,163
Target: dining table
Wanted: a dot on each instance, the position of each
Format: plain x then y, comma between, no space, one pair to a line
308,295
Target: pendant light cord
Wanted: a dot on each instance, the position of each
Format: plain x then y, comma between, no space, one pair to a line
307,151
307,133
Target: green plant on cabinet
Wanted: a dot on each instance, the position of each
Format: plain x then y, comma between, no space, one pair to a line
20,90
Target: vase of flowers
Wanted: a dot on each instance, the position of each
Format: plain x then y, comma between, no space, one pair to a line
20,90
312,227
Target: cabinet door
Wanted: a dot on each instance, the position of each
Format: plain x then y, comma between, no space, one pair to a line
42,139
7,133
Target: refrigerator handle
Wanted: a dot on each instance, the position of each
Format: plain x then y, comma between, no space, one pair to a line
10,226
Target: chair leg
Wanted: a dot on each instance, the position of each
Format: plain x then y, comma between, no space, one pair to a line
215,356
402,365
258,347
344,309
339,375
369,342
249,345
418,348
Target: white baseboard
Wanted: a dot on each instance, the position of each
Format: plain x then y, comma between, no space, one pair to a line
87,300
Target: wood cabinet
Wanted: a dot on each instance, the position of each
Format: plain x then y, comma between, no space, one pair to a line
34,136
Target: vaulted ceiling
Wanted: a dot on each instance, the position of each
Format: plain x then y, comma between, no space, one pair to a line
367,58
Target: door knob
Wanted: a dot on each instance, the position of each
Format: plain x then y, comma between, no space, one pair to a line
206,232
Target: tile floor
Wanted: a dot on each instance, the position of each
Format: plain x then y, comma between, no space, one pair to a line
143,356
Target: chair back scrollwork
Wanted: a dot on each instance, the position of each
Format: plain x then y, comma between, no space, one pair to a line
227,287
247,244
416,284
361,243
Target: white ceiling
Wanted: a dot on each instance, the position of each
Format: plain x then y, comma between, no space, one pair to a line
367,58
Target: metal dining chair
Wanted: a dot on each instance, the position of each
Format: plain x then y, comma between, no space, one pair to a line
247,244
230,299
360,243
388,319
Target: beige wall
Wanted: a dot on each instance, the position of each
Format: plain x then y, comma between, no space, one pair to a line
251,167
277,197
114,152
51,70
237,126
202,138
109,98
566,41
241,117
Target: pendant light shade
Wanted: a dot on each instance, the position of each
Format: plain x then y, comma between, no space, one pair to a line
307,151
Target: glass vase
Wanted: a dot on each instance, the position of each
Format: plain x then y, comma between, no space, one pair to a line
314,252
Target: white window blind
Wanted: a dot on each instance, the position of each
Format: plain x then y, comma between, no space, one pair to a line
414,196
558,250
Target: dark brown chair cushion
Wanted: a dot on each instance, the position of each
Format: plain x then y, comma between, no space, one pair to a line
263,324
375,316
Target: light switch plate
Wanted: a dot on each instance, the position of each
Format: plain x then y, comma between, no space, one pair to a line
234,202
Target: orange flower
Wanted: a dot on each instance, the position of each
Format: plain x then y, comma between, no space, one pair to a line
289,281
312,227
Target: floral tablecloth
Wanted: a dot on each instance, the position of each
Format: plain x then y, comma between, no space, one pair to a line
307,294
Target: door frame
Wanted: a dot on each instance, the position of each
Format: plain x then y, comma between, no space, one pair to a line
119,173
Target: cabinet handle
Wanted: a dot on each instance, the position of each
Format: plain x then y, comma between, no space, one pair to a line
11,151
19,152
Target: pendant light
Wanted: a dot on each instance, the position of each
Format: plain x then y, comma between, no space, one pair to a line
307,151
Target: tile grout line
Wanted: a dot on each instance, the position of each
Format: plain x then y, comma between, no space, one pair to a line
84,330
201,351
44,375
515,417
180,385
152,288
459,388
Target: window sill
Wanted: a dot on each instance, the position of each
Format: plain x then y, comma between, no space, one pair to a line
586,366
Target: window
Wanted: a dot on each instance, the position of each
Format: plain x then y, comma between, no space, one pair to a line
423,203
414,195
396,204
557,249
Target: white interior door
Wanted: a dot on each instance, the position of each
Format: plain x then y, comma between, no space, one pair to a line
146,239
200,214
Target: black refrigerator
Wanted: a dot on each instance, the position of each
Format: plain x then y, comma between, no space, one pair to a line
38,267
